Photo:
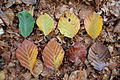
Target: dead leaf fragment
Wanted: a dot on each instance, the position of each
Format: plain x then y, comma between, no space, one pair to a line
29,1
38,68
117,28
26,54
76,53
53,54
4,18
98,53
2,75
78,75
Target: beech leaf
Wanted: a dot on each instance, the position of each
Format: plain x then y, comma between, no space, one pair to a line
98,53
69,24
26,23
76,52
53,54
45,23
93,24
26,54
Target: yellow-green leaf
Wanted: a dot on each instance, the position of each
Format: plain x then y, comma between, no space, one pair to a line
45,23
53,54
26,54
93,25
69,24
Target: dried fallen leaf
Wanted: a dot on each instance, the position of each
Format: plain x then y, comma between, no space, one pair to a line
98,53
4,18
45,23
2,75
78,75
38,68
26,23
117,28
93,25
26,54
53,54
29,1
69,24
76,52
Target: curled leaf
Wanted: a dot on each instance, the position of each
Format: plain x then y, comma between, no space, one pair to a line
45,23
69,24
98,53
26,23
53,54
76,52
93,24
26,54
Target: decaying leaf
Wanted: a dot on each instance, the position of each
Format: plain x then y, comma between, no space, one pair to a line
45,23
78,75
26,23
117,28
93,24
4,18
53,54
26,54
98,53
76,52
38,68
29,1
69,24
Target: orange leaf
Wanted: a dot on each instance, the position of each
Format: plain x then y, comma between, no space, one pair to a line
53,55
26,54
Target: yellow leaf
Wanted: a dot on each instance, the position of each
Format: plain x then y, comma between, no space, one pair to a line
26,54
93,25
69,24
53,54
45,23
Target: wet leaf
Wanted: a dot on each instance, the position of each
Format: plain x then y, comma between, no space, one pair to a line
26,23
26,54
93,24
76,53
53,54
69,24
45,23
98,53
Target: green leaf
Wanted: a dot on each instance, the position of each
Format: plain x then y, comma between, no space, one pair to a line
26,23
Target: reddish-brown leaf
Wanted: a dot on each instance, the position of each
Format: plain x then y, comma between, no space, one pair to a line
53,54
26,54
76,52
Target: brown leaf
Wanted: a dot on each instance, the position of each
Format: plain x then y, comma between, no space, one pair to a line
98,53
76,52
4,18
78,75
117,28
29,1
53,54
26,54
